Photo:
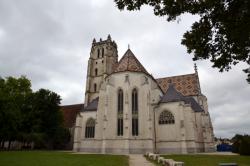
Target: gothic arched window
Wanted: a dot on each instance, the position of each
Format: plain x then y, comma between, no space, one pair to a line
96,72
166,117
120,100
95,87
134,101
102,52
120,113
135,123
98,53
90,128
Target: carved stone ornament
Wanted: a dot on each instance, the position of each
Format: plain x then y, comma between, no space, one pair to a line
182,123
109,82
145,80
105,118
126,98
126,116
106,101
148,98
127,78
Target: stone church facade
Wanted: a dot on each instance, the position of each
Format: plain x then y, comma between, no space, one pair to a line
127,110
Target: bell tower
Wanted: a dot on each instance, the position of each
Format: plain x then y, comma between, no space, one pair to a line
103,57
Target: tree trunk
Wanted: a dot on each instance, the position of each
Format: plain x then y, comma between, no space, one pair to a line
2,144
22,145
9,144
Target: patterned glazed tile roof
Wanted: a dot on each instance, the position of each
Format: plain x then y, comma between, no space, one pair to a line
69,114
129,63
172,95
187,85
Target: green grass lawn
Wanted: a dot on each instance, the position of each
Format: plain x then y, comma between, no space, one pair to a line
47,158
210,160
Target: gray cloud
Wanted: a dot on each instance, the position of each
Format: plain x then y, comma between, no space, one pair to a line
49,41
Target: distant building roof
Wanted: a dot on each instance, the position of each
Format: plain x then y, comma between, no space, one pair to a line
129,63
70,113
187,85
172,95
92,106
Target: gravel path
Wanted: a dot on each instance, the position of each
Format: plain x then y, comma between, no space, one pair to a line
138,160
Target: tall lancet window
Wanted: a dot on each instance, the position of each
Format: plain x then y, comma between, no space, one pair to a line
120,113
135,123
95,86
96,72
98,53
90,128
102,52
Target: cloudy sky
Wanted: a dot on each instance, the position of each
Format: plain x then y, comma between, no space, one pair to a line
49,42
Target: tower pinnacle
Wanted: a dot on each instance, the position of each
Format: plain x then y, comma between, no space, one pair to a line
109,37
195,68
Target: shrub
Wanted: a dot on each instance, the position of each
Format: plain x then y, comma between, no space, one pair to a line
241,144
244,148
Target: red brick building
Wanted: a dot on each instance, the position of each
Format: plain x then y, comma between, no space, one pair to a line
69,114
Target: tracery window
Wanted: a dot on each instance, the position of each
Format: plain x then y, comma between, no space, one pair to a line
120,126
166,117
90,128
135,123
120,113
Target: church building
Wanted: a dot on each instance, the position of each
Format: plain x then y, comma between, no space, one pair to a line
128,110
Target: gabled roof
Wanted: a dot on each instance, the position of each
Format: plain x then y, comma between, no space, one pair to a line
129,63
194,105
92,106
187,85
70,112
172,95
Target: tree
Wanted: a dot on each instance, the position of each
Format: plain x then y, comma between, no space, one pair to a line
12,95
245,146
236,143
241,144
222,34
46,106
30,117
248,74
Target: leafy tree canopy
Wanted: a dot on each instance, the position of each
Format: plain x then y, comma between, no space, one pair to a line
222,34
241,144
12,96
27,116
